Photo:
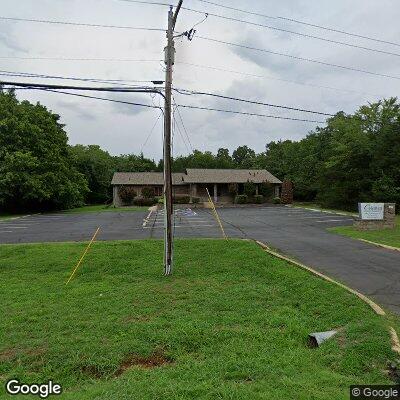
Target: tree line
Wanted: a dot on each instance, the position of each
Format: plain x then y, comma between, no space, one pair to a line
355,157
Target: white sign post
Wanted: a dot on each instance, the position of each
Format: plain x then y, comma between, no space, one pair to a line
371,211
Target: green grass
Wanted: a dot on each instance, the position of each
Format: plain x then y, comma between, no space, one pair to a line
232,323
103,208
390,237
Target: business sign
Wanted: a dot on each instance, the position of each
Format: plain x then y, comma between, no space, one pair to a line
371,211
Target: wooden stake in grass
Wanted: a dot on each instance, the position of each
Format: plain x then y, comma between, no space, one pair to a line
216,215
83,256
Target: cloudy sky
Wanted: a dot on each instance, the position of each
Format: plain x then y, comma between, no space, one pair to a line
123,129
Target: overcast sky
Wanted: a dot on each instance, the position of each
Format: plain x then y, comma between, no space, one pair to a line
122,129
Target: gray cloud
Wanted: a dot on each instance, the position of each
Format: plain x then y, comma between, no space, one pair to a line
123,128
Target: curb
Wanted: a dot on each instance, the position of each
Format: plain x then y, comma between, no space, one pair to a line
375,307
385,246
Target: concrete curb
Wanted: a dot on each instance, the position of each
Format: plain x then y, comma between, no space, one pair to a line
375,307
385,246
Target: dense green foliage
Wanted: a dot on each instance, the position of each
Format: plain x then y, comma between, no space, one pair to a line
353,158
36,170
230,323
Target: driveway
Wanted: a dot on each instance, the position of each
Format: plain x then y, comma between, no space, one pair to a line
299,233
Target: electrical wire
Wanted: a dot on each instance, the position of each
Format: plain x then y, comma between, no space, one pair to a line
69,23
151,132
74,59
292,32
277,17
249,114
296,57
175,121
183,125
190,92
96,80
56,89
87,96
275,79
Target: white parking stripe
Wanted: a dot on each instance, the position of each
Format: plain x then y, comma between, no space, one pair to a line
334,220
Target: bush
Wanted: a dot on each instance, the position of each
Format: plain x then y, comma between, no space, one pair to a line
148,192
276,200
233,189
126,194
258,199
195,200
159,199
249,188
266,189
181,199
144,202
241,199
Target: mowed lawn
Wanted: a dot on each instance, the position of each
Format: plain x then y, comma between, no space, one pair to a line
390,237
231,323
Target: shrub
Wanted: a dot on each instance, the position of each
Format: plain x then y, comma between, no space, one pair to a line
258,199
249,188
126,194
181,199
266,189
233,189
143,202
195,200
241,199
148,192
276,200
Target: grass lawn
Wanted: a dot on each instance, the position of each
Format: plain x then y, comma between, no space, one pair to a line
103,208
231,323
389,237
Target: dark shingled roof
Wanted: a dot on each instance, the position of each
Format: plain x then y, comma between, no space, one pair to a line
195,176
145,178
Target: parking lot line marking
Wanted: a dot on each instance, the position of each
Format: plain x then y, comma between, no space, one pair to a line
334,220
5,231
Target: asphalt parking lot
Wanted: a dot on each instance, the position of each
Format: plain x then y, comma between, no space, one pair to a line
299,233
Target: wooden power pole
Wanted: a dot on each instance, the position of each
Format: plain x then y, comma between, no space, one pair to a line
168,203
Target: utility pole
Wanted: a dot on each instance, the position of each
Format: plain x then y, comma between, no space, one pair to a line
168,203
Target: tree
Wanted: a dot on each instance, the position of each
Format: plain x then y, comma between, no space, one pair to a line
98,166
36,170
244,157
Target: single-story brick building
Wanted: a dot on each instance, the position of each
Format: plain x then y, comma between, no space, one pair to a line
194,182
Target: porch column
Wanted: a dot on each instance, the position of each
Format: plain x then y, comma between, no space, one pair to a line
215,193
256,189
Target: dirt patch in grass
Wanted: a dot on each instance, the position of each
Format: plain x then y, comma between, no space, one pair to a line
8,355
157,359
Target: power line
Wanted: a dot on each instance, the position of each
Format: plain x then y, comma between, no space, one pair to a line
44,21
274,78
184,91
176,127
151,131
301,23
88,96
183,125
296,57
293,32
138,89
75,59
96,80
151,3
248,114
56,89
